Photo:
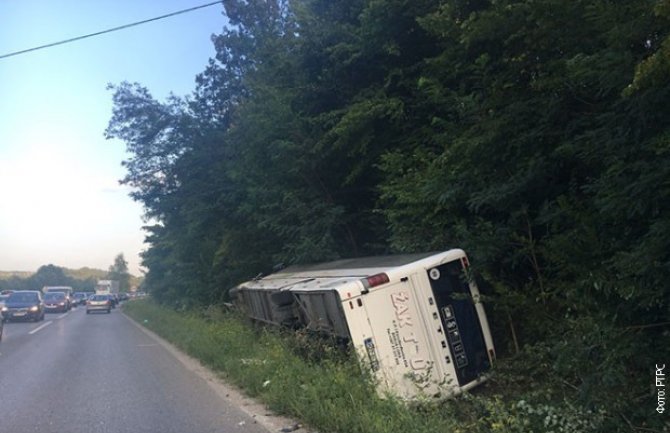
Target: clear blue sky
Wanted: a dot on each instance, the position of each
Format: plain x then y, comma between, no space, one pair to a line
60,200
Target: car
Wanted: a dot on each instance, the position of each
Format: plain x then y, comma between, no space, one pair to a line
79,298
99,303
2,325
55,302
63,289
114,299
3,298
24,305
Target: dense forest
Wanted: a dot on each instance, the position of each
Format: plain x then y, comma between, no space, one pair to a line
534,134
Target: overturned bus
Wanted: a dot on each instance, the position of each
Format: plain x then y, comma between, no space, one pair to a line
415,320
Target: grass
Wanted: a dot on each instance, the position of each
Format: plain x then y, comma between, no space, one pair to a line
327,390
330,394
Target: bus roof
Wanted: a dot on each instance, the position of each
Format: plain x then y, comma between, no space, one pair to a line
344,275
355,266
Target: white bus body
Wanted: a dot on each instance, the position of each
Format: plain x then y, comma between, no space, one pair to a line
414,319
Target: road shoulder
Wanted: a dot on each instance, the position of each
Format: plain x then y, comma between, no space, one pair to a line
256,410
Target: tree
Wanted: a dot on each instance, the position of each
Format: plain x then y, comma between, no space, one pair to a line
119,272
49,275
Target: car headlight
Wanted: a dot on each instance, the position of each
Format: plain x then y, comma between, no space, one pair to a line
62,304
4,308
34,308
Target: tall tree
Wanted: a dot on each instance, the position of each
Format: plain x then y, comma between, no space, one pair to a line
119,272
48,275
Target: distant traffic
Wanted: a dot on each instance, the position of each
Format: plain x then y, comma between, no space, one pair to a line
33,305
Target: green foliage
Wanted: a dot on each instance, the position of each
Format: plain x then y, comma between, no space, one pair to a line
6,275
119,272
83,279
533,134
86,273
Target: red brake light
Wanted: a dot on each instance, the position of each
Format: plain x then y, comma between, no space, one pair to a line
375,280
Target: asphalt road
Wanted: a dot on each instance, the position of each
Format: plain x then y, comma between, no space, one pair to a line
79,373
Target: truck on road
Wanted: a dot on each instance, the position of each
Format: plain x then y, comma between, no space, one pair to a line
107,287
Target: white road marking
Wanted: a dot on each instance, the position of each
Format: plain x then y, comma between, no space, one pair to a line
40,327
62,315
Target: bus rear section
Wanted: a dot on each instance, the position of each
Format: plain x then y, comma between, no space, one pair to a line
424,333
389,335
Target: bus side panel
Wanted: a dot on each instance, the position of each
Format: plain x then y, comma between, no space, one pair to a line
322,312
360,332
404,365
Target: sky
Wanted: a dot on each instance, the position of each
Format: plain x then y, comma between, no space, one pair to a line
60,198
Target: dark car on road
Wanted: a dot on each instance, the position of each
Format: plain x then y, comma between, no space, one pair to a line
79,298
24,305
55,302
114,299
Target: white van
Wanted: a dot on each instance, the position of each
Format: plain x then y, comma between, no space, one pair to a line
415,320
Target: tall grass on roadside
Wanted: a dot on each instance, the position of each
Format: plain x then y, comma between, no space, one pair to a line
326,389
331,394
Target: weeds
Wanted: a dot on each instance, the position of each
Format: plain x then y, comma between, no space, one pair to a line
328,390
